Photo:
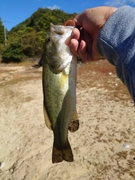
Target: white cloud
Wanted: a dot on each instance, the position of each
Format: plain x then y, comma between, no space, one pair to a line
120,2
53,7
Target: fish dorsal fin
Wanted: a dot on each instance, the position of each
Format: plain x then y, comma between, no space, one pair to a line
47,121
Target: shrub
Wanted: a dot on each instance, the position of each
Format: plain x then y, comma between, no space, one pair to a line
12,54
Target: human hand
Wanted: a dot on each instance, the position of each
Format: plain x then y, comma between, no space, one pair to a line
84,37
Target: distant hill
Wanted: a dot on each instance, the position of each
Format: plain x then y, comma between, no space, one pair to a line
27,38
40,20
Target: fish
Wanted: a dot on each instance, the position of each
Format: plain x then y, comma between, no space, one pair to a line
59,91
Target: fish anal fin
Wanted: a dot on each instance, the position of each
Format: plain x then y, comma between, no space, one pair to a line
60,154
74,125
47,121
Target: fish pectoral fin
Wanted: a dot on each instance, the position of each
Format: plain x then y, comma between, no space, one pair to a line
74,125
60,154
47,121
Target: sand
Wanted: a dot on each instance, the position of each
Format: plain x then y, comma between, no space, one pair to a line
104,145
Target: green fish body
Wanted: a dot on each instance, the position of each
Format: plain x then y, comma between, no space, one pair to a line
59,91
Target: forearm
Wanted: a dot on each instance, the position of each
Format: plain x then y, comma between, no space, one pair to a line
117,43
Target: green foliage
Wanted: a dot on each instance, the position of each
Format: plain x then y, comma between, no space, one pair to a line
27,38
1,32
2,48
12,54
41,19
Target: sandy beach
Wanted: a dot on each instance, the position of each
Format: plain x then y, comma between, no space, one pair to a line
104,145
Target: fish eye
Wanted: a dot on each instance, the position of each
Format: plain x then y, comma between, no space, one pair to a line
48,39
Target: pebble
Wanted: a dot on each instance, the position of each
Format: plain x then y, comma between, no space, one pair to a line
1,165
110,73
126,146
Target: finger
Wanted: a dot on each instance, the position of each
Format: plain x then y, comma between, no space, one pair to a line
75,34
74,44
73,41
85,47
78,21
83,52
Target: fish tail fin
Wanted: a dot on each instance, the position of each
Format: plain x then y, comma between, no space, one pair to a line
74,125
60,154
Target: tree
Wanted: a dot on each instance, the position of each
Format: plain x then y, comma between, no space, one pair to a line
1,32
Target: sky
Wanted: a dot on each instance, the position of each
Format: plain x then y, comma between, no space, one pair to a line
13,12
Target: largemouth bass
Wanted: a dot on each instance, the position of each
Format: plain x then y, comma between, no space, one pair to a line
59,91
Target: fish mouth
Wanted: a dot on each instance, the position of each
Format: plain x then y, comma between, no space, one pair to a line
57,29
